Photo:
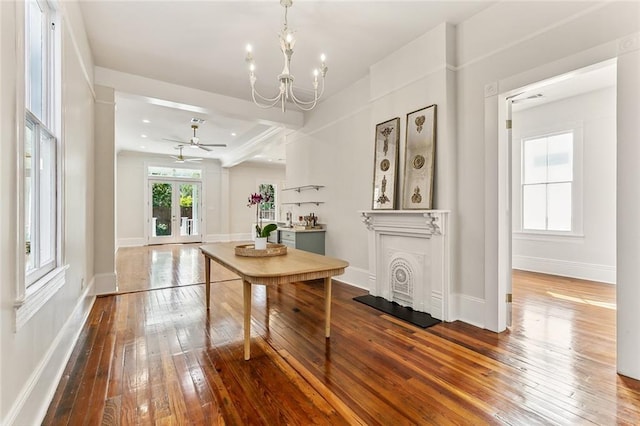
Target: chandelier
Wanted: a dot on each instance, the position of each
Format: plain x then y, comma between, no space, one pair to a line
286,92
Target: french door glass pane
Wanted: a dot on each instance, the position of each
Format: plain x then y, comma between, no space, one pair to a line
535,161
535,202
47,195
560,158
559,206
189,205
29,188
162,194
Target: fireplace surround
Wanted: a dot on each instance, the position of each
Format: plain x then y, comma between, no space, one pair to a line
409,258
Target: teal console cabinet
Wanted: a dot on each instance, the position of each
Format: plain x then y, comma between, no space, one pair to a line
309,239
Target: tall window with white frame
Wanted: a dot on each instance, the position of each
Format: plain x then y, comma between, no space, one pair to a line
41,149
547,182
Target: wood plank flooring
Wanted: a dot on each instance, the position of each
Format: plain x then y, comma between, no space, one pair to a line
163,266
156,357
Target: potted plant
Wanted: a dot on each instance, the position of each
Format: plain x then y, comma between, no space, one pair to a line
262,233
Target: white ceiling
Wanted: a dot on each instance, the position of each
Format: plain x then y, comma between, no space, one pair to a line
201,45
582,81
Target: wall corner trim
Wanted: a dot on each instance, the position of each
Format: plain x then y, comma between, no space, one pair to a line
629,44
491,89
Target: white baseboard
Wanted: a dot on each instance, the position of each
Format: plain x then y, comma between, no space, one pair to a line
106,283
356,277
467,309
131,242
37,393
585,271
221,238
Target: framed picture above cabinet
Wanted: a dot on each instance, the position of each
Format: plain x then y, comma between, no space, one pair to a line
385,164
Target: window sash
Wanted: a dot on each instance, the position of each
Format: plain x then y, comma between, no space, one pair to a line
536,150
41,213
40,60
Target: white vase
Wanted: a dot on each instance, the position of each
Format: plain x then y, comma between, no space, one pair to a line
260,243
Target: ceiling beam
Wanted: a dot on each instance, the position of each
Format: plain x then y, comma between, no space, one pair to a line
220,104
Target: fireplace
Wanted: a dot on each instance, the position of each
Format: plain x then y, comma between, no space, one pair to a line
409,258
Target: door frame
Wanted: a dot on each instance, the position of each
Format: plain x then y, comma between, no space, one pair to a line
498,261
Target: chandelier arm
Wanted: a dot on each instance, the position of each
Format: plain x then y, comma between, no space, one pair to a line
255,93
273,102
317,96
301,103
305,108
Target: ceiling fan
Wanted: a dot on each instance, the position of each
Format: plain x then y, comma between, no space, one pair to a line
180,158
194,142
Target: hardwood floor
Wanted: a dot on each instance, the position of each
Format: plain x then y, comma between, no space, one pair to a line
156,357
163,266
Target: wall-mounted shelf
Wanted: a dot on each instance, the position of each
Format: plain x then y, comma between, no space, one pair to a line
317,203
303,188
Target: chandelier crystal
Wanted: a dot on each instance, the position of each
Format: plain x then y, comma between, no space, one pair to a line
286,89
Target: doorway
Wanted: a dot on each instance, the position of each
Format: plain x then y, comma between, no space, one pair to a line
175,211
561,166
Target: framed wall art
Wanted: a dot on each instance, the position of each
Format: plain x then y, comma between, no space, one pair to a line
385,166
419,159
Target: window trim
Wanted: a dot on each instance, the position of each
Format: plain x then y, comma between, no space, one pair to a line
577,200
29,299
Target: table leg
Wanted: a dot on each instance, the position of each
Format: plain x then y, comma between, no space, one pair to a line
327,307
246,295
207,279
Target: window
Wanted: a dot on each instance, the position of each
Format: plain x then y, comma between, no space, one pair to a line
41,177
268,209
40,182
174,172
547,182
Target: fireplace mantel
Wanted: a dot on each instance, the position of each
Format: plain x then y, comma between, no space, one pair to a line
409,259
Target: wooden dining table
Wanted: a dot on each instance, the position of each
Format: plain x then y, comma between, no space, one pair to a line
295,265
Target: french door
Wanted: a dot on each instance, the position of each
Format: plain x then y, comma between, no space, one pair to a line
175,211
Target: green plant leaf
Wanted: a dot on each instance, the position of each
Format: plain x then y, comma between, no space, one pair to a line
268,229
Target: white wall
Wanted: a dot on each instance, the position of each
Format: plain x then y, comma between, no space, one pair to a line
225,190
243,181
33,357
335,147
591,254
628,212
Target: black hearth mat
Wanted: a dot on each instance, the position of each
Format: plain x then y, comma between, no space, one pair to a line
421,319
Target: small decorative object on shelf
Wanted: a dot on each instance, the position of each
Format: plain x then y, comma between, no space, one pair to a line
249,250
257,200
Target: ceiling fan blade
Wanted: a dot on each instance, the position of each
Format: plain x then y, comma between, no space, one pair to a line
174,157
213,144
202,147
175,140
193,160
